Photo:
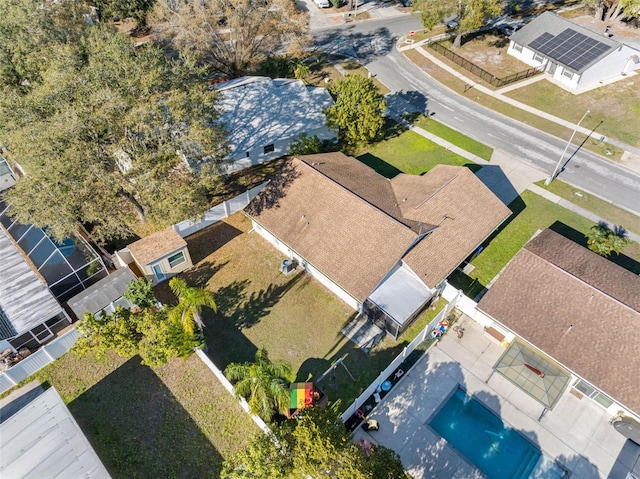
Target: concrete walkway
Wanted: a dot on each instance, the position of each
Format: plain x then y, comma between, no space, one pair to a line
498,94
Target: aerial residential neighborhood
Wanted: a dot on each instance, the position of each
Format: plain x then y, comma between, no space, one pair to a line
351,239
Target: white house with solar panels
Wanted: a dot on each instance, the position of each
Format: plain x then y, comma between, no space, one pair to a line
576,58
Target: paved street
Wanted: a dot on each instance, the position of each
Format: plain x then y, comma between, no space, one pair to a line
373,42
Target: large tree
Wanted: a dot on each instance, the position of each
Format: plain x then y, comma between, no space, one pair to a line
316,442
469,14
232,36
103,130
264,383
110,10
612,10
359,109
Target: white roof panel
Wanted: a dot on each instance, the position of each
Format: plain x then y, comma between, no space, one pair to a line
44,440
401,294
25,301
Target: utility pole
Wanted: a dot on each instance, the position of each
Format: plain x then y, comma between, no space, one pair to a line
556,171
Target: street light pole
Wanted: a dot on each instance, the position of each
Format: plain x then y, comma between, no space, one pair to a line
556,171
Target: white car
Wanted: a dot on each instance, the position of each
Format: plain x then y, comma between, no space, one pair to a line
322,3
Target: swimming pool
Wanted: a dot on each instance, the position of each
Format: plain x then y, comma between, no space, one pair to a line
479,435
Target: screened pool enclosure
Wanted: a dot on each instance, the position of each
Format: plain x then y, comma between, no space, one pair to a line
67,267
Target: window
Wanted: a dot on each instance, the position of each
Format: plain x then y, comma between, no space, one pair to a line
269,148
248,154
517,47
176,259
567,73
593,393
538,58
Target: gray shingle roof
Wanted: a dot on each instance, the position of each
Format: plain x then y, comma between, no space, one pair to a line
100,295
577,51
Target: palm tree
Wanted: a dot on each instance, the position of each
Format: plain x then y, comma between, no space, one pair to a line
191,300
604,241
264,383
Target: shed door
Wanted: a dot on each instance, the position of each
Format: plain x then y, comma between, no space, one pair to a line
158,272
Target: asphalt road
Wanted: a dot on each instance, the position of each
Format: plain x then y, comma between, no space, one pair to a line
373,42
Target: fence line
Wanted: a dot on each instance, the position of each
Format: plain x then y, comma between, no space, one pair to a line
38,360
229,387
373,387
218,212
480,72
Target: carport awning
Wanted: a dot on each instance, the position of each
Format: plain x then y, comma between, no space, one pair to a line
401,294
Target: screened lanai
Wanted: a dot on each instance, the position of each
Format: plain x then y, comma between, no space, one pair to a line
67,267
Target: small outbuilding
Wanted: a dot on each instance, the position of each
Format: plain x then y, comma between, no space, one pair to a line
105,295
161,255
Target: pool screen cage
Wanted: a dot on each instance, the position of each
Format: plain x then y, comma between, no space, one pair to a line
67,267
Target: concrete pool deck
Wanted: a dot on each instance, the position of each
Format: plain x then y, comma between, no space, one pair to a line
576,434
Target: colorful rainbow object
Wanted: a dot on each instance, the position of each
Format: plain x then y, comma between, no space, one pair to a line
301,395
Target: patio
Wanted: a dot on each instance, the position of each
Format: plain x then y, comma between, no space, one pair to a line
574,437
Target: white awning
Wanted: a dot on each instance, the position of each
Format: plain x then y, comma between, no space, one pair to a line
401,294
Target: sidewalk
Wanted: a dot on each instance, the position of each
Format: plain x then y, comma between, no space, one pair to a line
498,94
508,176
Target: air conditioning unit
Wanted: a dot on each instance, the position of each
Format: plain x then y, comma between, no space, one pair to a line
287,266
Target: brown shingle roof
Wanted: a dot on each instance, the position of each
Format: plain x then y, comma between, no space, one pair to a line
155,246
352,224
573,321
465,211
340,234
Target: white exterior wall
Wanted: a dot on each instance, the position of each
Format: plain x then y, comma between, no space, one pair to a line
610,66
318,275
282,148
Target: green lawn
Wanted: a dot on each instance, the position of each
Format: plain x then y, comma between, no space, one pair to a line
173,421
455,137
408,152
604,209
615,108
531,213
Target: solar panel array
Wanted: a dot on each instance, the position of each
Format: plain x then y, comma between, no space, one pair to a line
570,48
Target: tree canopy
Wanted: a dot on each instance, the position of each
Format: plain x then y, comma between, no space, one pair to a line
469,14
121,9
232,36
311,445
103,129
148,333
611,10
191,300
359,109
605,241
140,293
264,383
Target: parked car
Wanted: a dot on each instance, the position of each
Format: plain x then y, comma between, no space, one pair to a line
406,3
322,3
508,28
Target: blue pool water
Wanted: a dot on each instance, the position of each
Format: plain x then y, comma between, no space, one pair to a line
479,435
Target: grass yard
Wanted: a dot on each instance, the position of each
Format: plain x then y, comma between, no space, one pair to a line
602,208
173,421
531,213
615,108
455,137
460,87
293,317
408,152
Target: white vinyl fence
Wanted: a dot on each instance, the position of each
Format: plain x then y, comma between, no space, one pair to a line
219,212
453,300
38,360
